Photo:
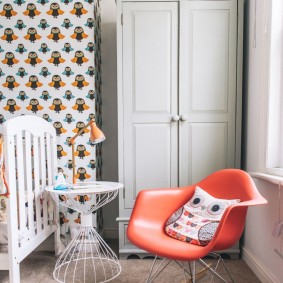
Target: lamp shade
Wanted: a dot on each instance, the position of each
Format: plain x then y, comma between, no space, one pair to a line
96,135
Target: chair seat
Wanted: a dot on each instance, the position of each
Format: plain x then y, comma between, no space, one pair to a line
165,246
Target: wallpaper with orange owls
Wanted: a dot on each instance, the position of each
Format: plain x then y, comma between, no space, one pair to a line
50,67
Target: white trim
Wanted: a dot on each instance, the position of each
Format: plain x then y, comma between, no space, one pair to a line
267,164
265,71
267,177
123,219
260,270
274,127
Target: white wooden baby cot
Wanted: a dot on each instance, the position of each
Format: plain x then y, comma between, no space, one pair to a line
30,163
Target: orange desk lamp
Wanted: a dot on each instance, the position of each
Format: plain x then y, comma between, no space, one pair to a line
96,136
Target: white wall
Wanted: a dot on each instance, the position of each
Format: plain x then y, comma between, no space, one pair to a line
259,245
109,110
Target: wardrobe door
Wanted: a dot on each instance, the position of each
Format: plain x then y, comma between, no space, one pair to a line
149,97
208,42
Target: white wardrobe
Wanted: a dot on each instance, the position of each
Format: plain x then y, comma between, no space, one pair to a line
179,95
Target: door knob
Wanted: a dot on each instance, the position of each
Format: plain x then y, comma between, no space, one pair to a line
184,117
175,118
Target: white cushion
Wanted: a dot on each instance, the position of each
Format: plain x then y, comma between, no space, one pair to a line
197,221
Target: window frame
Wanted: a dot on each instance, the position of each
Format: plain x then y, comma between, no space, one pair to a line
272,91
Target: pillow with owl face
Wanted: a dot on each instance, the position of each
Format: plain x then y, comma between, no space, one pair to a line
197,221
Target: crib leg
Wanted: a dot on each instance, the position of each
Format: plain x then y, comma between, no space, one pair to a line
14,263
57,239
57,242
14,271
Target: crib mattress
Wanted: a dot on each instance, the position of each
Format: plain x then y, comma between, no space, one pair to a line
3,234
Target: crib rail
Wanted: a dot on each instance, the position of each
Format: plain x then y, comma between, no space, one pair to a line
31,158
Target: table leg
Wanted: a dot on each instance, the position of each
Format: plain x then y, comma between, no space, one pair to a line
87,258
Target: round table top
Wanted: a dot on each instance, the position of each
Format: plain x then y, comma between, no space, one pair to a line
95,187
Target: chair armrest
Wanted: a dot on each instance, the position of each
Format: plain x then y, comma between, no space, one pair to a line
230,228
159,204
232,224
258,201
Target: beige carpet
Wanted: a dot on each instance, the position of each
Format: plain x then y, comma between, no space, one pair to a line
38,268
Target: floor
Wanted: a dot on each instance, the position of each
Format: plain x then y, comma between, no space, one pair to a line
38,268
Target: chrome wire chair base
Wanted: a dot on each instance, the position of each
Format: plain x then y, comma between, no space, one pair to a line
189,269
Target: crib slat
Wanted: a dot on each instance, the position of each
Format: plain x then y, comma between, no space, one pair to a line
54,158
29,182
45,210
51,150
21,182
42,161
43,178
49,159
37,191
54,171
12,202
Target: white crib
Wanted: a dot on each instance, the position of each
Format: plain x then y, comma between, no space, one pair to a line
30,162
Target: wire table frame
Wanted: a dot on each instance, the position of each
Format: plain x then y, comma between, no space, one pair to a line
87,258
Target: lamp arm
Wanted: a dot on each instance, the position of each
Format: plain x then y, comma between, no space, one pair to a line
96,136
71,141
73,163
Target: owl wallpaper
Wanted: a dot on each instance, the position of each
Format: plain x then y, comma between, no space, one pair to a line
50,67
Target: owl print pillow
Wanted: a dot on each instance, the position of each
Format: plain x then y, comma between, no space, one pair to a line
197,221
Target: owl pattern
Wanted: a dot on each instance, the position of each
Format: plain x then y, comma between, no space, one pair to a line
49,67
197,221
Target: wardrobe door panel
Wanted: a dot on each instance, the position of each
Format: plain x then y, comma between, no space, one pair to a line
208,40
152,155
209,144
150,78
209,77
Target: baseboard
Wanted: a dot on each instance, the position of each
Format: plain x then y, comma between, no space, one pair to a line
260,270
110,233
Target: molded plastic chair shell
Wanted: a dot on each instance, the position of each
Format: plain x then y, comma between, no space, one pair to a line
152,208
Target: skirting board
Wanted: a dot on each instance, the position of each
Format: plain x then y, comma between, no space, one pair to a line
264,275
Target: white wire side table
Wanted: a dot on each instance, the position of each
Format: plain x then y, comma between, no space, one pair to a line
87,258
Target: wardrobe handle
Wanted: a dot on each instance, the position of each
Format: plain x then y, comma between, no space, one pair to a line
175,118
184,117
